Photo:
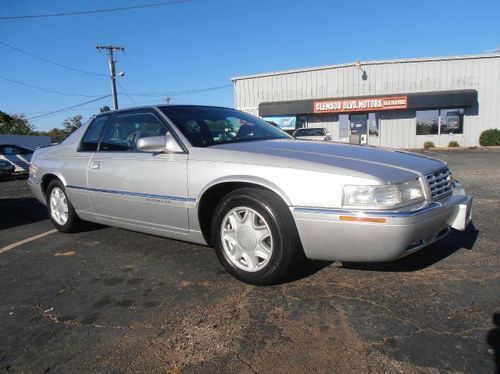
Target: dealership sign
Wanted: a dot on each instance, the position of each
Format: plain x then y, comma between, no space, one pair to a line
361,105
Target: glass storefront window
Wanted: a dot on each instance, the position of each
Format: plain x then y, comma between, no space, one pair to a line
427,122
442,121
452,121
283,122
344,128
373,124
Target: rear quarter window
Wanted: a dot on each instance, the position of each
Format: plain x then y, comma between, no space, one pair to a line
90,140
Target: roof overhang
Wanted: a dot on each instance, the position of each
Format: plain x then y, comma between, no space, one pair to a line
400,101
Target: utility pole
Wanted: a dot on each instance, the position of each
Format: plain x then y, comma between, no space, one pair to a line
112,74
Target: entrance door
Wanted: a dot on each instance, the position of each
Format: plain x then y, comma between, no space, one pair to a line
344,128
358,128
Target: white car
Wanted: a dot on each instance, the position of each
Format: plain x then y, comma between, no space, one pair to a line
18,156
312,133
264,200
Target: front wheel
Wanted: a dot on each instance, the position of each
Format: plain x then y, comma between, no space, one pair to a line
61,212
255,237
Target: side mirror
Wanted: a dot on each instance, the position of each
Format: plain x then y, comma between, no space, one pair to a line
157,144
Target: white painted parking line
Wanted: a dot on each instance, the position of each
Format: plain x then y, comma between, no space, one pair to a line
436,153
27,240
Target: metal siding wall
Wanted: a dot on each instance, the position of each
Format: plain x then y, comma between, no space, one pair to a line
482,74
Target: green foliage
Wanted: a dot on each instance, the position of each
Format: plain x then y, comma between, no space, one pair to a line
428,145
490,137
453,144
72,124
56,135
105,108
16,124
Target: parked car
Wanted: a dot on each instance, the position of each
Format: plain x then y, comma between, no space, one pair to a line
263,199
312,133
16,155
6,168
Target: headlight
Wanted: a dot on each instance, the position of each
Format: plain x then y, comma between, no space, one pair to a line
411,190
383,196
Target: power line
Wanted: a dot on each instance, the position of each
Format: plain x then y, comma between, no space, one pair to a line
49,61
68,108
44,89
183,92
125,93
75,13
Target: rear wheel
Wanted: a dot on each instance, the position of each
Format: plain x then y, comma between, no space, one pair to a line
255,236
61,212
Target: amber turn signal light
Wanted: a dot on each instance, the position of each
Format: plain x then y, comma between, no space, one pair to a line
362,219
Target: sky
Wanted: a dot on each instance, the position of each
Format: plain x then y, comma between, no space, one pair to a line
202,44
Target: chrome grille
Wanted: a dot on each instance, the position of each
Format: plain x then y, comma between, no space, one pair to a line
440,183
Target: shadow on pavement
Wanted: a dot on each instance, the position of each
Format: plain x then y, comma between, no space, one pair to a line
305,269
493,340
13,177
27,210
21,211
425,257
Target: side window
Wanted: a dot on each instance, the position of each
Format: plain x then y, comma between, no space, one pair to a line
25,151
11,151
90,140
124,130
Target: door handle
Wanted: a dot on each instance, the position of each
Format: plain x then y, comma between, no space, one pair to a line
96,165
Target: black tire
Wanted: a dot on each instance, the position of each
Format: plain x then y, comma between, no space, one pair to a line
287,248
73,223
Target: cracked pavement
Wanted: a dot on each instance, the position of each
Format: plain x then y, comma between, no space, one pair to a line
110,300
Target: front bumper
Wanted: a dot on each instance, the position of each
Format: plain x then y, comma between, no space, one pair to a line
327,235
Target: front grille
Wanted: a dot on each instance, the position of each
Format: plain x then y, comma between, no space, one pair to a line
440,183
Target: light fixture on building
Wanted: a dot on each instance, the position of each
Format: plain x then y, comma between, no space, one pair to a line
364,76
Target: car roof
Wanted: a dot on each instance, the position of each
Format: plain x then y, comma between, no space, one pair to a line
16,145
160,106
311,128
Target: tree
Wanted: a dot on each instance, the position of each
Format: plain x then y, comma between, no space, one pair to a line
16,124
72,124
56,135
105,108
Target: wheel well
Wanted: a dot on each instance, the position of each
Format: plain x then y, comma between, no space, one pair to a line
46,179
210,199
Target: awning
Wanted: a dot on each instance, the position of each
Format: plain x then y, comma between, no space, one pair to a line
404,101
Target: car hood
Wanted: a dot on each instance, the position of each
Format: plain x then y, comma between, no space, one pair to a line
384,164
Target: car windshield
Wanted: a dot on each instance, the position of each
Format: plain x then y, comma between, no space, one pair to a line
310,132
206,126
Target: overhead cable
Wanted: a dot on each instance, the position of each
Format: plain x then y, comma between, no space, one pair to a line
106,10
67,108
49,61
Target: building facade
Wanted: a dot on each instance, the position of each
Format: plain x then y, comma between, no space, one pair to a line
397,104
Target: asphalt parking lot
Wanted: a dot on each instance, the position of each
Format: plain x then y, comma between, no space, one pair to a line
117,301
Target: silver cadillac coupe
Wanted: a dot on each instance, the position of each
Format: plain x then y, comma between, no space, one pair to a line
262,199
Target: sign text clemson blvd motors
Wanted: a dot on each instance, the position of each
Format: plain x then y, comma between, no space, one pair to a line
361,105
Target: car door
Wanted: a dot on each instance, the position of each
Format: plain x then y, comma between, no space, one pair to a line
138,189
74,168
